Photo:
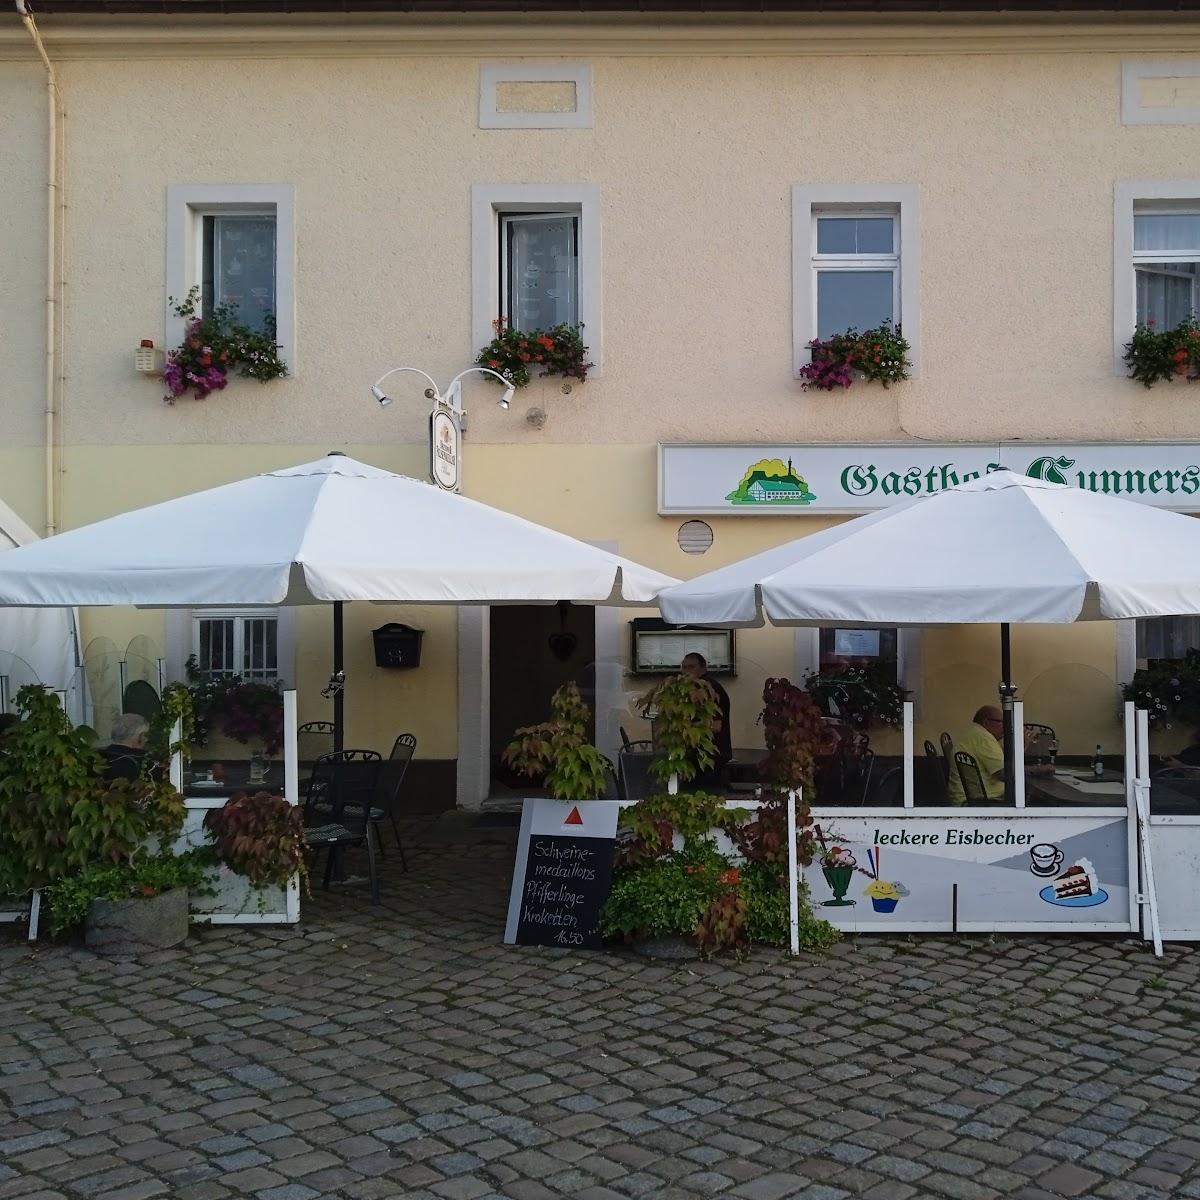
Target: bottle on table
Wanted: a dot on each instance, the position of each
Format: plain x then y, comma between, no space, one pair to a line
1098,765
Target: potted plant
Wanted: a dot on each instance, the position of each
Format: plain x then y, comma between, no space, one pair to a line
878,355
516,353
260,836
213,346
1169,689
558,752
242,709
129,908
865,696
1158,355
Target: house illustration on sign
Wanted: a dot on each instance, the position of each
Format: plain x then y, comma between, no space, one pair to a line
771,481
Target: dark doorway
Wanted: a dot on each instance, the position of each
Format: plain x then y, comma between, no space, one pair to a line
535,649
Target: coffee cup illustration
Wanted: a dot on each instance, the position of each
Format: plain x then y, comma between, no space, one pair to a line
1044,858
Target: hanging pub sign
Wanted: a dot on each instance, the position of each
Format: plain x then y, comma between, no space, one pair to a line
767,480
445,449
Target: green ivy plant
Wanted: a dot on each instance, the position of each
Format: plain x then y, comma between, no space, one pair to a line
69,897
58,816
685,709
177,705
1154,355
558,752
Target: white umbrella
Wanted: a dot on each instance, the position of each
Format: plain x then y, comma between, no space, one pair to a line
1003,548
330,530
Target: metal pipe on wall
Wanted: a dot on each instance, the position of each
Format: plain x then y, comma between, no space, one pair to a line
52,207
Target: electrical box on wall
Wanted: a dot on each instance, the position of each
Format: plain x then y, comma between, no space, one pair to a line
397,645
147,360
659,648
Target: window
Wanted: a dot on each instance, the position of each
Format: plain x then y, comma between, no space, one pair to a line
1156,257
535,259
237,243
539,269
1167,638
858,648
238,265
855,262
1166,265
237,643
856,270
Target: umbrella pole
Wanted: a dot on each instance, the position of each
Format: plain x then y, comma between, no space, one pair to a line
338,697
1007,695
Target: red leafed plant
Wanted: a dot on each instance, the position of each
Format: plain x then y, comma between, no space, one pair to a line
875,355
261,836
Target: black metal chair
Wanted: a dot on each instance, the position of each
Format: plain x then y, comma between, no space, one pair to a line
634,780
612,782
934,755
947,744
929,778
974,788
859,775
636,744
313,739
1039,739
338,809
890,790
391,780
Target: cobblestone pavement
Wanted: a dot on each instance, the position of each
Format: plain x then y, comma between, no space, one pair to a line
407,1053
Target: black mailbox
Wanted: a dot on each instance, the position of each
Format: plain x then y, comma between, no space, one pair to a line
397,645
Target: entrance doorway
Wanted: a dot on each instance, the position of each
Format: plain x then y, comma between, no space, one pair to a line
535,649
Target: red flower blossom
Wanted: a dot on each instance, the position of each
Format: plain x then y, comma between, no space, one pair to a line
525,356
493,362
733,875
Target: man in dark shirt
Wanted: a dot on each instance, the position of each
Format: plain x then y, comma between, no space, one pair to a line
125,754
696,665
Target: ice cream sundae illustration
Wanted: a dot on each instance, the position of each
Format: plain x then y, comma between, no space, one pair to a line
837,865
1076,887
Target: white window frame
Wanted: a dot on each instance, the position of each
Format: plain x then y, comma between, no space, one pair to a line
807,653
898,200
1145,197
188,205
488,201
856,262
182,638
492,74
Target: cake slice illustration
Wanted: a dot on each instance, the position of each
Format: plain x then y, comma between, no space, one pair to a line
1077,880
1077,887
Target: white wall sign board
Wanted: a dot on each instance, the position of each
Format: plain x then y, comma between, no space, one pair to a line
563,872
976,870
445,449
1175,846
763,480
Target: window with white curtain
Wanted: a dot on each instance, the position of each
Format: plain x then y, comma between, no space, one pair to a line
237,643
1166,264
238,260
856,269
539,269
1167,638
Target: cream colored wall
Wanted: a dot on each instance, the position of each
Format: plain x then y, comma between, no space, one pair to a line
1015,156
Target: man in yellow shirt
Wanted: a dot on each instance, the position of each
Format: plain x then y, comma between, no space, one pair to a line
984,741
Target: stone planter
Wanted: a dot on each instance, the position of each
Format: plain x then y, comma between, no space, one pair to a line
125,928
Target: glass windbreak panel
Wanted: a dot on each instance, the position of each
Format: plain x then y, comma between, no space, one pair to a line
1167,231
215,655
855,235
542,284
1166,293
853,300
239,267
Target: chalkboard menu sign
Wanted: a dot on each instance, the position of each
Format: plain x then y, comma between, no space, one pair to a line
562,874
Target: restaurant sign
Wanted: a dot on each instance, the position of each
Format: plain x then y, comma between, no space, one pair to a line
973,872
445,449
767,480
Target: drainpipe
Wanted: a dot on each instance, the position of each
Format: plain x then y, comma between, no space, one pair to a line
52,202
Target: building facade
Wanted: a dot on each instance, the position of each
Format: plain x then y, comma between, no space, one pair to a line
705,192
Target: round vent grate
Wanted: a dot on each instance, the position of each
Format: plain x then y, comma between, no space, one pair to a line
695,537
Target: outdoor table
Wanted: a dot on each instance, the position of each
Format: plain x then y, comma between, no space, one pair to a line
237,779
1076,787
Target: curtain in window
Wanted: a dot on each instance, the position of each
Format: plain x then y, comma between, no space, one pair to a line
1167,637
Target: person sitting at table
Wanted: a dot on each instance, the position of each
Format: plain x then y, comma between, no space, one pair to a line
126,753
983,740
